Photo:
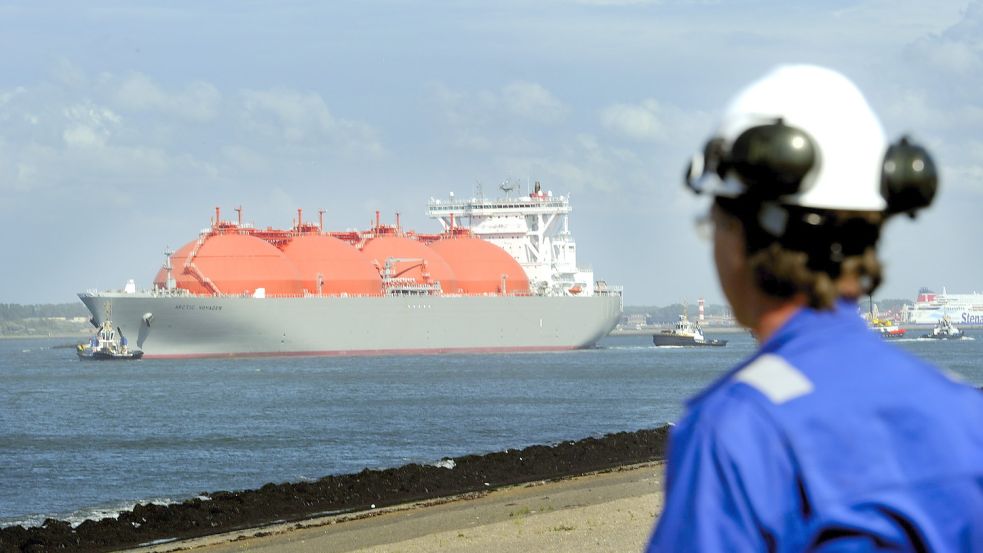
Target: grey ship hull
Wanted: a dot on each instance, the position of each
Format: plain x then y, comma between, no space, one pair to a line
176,326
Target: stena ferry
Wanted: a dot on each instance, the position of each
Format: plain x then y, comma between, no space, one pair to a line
930,308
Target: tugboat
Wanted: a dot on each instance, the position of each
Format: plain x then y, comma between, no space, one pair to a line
108,344
945,331
685,333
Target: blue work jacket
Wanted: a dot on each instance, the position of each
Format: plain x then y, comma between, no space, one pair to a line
827,439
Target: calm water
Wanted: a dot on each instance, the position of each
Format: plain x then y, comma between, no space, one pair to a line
84,440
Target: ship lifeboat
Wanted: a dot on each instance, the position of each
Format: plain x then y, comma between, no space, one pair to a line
575,289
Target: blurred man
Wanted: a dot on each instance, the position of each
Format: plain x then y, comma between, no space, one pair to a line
827,438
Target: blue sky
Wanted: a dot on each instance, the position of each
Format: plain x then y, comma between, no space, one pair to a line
123,124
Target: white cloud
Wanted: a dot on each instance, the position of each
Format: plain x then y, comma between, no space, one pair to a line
936,97
952,56
969,177
504,121
583,164
929,111
532,101
640,122
69,74
8,115
25,172
298,113
8,95
245,159
83,136
652,120
962,167
77,147
304,119
298,116
89,126
518,99
198,101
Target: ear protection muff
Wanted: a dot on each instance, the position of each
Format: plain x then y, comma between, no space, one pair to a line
772,160
769,160
909,180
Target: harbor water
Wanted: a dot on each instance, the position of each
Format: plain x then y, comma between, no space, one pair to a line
84,440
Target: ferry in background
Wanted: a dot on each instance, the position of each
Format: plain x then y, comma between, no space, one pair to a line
930,308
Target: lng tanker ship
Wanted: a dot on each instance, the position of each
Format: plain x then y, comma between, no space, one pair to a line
501,276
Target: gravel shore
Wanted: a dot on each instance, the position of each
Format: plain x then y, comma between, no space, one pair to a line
611,511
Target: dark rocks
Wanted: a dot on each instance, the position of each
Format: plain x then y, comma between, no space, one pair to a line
225,511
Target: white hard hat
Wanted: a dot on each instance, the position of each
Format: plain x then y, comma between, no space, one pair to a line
812,114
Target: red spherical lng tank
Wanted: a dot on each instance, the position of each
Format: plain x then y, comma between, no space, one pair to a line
177,269
480,265
236,264
343,269
431,269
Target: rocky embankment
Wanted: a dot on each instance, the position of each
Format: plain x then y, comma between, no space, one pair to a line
224,511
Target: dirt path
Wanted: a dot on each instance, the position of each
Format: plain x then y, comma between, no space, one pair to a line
609,511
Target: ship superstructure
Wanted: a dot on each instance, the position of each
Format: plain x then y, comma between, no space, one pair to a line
931,307
241,290
534,229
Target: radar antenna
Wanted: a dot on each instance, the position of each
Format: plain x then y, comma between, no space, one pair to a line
507,187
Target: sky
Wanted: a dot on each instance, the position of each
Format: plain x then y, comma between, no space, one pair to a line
124,124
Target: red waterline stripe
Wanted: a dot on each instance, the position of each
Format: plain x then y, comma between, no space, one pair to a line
360,353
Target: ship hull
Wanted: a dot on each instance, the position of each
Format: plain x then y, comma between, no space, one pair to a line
661,340
957,336
174,326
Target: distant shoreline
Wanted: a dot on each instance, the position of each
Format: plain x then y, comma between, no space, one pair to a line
81,335
650,330
655,329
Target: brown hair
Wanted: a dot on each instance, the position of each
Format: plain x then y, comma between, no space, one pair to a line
822,262
784,273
